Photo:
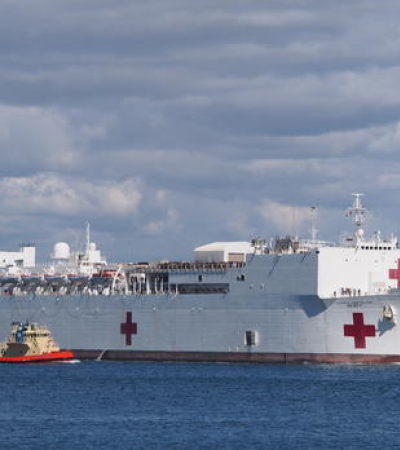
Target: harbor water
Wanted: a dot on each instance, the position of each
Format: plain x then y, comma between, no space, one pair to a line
151,406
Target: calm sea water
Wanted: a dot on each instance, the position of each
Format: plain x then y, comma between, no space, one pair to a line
199,406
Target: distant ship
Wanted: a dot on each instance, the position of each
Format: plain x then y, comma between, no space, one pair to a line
283,300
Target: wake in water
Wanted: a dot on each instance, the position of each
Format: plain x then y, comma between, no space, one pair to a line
72,361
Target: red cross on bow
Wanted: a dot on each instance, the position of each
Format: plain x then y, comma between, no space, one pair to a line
128,328
359,331
394,274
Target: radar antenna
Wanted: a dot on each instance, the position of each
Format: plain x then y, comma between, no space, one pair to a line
358,214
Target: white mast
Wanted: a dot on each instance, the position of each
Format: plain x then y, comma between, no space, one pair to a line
87,237
358,213
313,231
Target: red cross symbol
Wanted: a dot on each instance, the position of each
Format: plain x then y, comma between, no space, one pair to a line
128,328
359,331
394,274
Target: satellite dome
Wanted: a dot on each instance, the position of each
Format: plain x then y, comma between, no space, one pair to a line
61,250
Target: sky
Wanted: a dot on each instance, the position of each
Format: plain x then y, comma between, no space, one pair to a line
168,124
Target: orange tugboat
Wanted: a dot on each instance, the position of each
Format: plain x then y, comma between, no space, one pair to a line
31,343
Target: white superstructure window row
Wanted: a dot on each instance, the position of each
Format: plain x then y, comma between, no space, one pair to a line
371,247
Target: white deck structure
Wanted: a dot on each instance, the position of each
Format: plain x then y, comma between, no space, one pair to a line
223,252
25,257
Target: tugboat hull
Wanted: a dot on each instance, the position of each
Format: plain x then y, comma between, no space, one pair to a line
65,355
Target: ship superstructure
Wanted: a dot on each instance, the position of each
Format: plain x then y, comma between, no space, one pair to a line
280,300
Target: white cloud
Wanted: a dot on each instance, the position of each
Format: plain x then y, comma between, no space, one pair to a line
51,194
157,227
284,218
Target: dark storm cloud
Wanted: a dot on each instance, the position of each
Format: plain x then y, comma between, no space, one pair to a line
173,123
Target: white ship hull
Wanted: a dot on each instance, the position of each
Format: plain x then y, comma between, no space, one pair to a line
186,327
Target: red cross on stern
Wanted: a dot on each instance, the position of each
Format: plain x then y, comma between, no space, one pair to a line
128,328
359,331
394,274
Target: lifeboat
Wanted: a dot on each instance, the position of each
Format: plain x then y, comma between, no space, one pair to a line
78,279
10,280
105,277
32,279
56,279
108,273
31,343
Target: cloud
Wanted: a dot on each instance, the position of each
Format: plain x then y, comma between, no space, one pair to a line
34,139
50,194
170,124
283,218
162,226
